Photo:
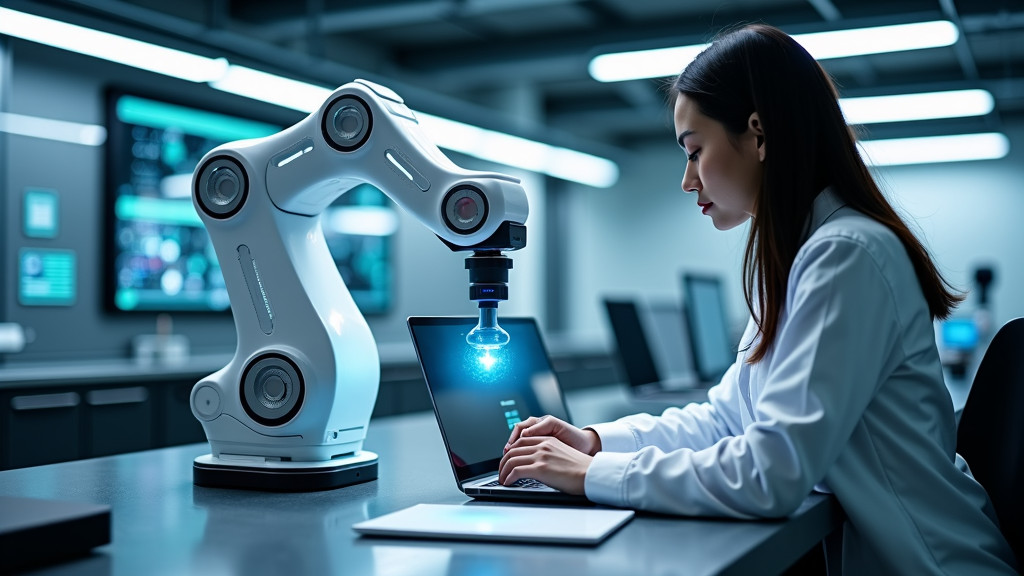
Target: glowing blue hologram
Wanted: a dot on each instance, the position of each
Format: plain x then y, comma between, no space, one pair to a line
487,360
487,365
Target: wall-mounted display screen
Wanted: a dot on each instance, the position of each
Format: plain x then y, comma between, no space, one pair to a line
160,258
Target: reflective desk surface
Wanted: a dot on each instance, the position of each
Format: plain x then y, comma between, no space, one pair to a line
162,524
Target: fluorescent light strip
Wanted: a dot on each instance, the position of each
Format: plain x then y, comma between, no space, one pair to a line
250,83
362,220
521,153
272,88
935,149
112,47
879,39
662,62
59,130
924,106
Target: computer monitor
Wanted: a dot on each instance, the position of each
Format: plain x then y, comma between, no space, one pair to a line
959,334
704,303
159,257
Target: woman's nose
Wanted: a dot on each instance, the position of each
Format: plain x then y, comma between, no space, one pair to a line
690,181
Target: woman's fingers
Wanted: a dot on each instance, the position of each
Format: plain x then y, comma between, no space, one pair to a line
517,456
521,427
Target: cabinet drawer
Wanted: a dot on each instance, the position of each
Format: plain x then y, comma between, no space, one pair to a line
43,429
119,420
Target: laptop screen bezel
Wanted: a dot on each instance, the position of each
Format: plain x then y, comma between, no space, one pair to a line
476,469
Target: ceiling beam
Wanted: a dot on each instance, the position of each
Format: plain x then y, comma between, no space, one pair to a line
357,19
396,13
961,48
860,68
827,9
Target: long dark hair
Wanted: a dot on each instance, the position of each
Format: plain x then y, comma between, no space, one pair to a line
809,147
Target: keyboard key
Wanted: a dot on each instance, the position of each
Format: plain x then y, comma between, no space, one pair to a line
528,483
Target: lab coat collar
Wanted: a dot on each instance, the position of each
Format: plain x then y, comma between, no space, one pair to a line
825,204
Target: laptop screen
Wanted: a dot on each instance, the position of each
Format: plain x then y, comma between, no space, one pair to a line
631,341
479,396
713,352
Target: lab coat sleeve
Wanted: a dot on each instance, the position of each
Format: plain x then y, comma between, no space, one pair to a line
837,339
694,426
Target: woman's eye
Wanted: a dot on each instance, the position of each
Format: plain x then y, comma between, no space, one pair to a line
693,157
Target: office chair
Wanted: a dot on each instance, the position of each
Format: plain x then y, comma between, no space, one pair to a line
991,431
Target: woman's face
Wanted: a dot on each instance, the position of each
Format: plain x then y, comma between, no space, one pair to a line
724,172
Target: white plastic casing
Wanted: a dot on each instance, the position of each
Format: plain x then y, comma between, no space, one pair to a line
294,303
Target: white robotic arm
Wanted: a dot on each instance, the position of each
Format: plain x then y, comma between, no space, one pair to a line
290,410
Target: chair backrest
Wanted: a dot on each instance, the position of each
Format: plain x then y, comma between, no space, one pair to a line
991,431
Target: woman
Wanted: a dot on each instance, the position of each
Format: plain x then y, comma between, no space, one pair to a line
837,384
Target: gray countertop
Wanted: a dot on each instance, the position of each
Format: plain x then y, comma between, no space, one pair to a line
164,525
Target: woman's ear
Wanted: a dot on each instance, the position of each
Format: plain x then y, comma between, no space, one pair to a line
755,128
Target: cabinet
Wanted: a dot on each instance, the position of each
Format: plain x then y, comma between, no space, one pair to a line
56,413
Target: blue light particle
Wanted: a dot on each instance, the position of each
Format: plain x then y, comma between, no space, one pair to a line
487,360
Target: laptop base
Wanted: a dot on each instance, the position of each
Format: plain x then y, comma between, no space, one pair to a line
289,476
561,498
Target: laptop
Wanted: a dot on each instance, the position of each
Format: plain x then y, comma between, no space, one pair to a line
654,350
479,396
713,348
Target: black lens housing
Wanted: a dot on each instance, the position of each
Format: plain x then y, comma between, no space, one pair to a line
488,276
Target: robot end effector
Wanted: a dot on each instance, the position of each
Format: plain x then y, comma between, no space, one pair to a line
488,283
488,266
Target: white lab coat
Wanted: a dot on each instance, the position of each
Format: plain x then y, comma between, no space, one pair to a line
850,400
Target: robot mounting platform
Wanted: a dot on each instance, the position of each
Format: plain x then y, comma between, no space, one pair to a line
283,476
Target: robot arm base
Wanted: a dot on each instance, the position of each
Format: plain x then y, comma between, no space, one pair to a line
283,476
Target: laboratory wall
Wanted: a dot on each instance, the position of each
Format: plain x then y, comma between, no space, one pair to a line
43,82
633,239
637,238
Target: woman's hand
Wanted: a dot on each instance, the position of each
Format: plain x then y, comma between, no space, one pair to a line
546,459
585,441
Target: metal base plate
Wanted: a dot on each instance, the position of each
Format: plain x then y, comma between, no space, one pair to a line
254,473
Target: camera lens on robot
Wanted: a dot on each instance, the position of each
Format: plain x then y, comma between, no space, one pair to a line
222,187
465,209
271,390
347,123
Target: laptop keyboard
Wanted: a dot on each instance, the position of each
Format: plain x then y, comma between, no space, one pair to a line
521,483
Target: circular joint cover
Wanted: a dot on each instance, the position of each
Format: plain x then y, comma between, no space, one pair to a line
464,209
222,187
347,123
272,389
